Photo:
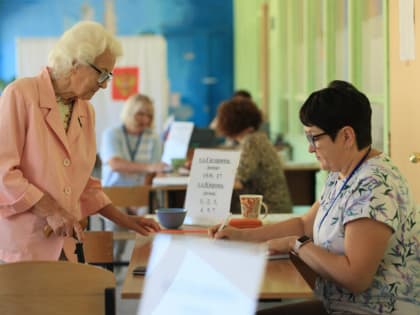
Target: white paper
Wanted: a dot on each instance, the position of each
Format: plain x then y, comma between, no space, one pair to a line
210,186
193,276
407,35
167,125
170,180
176,145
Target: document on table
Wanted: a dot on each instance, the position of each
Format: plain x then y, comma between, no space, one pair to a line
209,189
176,145
197,275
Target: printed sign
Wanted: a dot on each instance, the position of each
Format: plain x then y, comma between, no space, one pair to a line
209,190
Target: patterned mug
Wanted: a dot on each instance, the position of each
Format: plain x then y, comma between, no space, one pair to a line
251,206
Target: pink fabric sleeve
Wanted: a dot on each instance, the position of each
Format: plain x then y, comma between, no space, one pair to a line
93,198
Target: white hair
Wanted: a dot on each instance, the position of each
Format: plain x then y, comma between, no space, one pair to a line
135,103
81,44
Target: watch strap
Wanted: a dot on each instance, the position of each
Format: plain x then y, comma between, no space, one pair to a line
300,242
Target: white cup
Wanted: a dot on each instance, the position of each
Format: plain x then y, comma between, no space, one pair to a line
251,206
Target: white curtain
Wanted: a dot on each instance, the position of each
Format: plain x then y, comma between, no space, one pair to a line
146,52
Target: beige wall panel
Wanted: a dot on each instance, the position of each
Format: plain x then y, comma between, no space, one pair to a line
404,101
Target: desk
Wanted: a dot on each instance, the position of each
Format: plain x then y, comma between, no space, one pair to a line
300,177
281,279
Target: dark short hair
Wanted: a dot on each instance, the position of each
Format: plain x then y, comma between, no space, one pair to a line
235,115
340,84
337,106
242,93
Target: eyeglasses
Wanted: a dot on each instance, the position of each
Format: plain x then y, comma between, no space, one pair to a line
313,138
103,75
142,113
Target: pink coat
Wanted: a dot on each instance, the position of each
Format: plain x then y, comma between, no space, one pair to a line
36,156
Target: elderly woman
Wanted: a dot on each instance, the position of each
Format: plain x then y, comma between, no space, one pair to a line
260,170
362,236
129,152
48,149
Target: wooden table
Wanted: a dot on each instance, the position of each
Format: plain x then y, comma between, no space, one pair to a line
281,280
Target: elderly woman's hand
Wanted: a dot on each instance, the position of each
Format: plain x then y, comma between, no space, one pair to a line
65,224
59,220
143,225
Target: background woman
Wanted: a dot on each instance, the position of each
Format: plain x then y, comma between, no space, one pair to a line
260,170
132,150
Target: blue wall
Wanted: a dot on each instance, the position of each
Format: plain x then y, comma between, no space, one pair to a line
200,28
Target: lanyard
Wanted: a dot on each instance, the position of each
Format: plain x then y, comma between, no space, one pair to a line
131,151
342,187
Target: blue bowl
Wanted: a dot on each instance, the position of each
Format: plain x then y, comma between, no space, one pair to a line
171,218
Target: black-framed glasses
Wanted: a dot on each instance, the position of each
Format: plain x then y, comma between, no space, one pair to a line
103,75
313,138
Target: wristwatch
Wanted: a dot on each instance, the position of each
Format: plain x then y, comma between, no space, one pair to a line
300,242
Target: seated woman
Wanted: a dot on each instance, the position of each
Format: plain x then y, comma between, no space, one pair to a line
238,94
131,151
362,236
260,170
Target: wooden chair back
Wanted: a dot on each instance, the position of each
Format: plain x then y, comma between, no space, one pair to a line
56,287
128,196
97,246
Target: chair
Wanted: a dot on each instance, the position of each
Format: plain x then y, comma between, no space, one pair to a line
97,246
127,196
56,287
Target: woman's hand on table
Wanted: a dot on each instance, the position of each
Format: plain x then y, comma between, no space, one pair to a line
143,225
281,245
139,224
157,167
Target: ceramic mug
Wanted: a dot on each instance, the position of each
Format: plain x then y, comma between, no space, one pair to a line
251,206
